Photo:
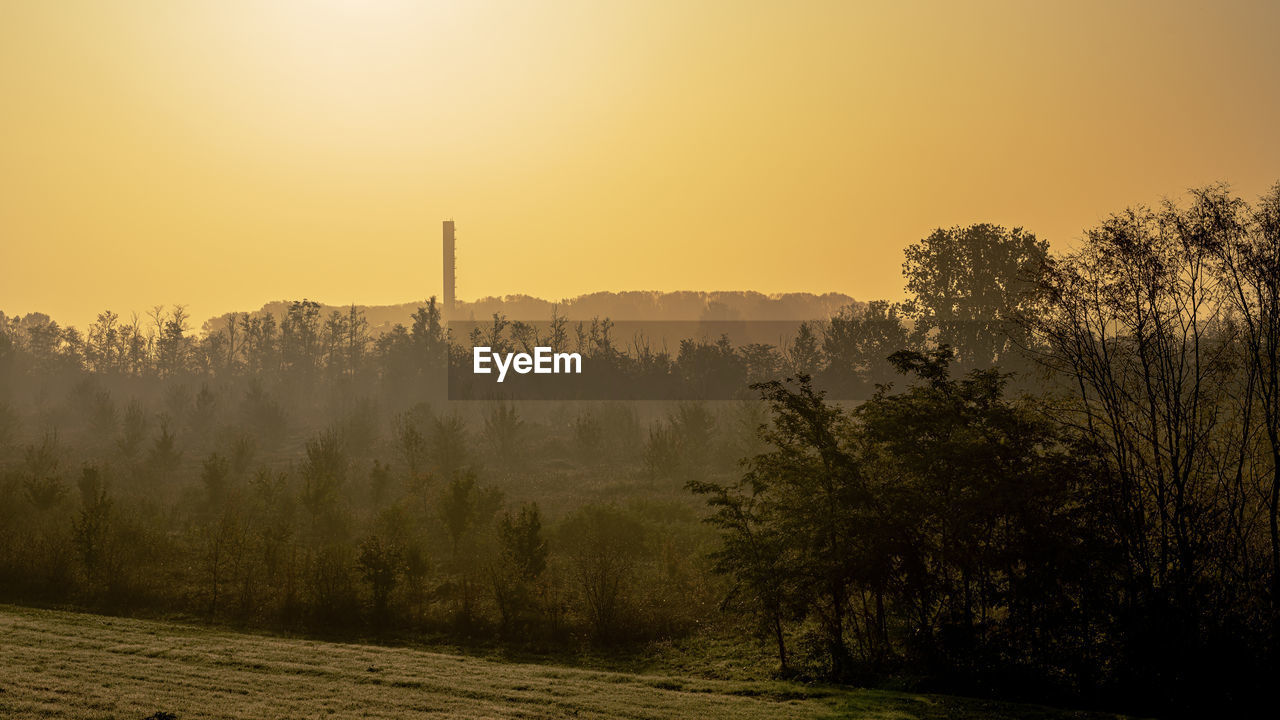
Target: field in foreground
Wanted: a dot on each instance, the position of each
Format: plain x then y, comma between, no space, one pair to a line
73,665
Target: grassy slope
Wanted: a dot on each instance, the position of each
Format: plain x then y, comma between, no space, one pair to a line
73,665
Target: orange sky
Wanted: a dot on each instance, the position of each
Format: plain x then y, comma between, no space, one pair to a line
226,153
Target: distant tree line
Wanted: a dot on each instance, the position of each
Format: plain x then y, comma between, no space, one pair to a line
627,305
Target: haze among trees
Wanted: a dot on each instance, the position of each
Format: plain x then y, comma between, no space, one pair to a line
634,305
1047,476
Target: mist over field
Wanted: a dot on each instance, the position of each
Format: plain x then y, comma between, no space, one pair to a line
1044,477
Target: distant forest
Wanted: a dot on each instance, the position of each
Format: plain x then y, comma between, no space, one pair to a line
647,306
1052,476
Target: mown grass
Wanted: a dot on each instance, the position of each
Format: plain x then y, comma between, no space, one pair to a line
73,665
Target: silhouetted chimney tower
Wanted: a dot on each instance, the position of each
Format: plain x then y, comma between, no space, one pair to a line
450,267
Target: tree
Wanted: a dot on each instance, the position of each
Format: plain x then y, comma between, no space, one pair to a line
215,475
969,286
521,561
804,357
91,529
324,473
502,430
753,551
410,443
134,430
164,456
1245,243
300,340
857,346
221,538
1159,325
172,346
983,523
380,564
813,496
448,444
921,511
662,451
464,509
522,541
604,546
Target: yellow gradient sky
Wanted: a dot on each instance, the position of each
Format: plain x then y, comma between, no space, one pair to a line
226,153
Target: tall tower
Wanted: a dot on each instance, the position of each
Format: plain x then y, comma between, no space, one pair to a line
450,267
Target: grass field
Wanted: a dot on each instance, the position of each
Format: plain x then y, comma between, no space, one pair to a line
73,665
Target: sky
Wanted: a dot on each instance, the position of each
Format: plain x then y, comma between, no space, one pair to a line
223,154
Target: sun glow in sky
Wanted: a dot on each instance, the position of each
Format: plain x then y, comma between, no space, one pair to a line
224,154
